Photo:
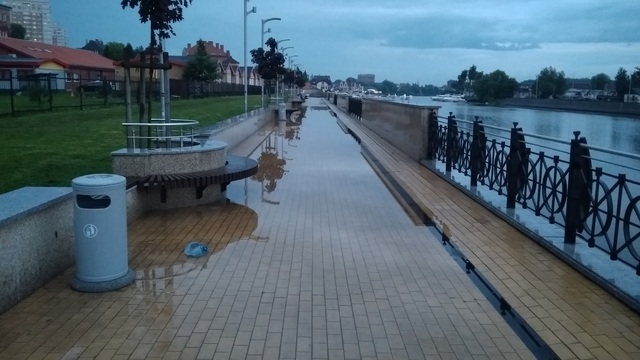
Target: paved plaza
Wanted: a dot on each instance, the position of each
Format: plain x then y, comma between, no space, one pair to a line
311,258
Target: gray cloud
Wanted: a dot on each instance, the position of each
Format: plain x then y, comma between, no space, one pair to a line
520,26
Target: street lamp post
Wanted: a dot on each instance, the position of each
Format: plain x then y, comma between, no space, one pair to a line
262,32
285,55
291,57
277,79
246,72
264,21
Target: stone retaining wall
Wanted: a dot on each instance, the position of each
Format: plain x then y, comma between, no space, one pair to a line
404,125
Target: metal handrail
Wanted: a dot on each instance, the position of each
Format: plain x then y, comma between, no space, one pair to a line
160,134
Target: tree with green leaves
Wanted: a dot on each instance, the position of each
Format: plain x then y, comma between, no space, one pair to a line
295,77
494,86
351,82
159,14
599,81
473,74
270,63
635,78
17,31
388,87
114,50
429,90
289,77
201,67
301,78
462,79
551,83
622,82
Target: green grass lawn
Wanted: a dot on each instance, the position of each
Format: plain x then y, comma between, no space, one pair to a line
52,148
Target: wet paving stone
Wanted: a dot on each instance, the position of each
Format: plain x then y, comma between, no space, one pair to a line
311,258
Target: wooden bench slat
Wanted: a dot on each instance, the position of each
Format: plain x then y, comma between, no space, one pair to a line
237,168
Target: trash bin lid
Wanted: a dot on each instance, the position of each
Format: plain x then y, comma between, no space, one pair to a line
98,180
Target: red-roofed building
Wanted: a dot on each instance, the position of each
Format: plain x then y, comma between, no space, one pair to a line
230,70
23,57
215,50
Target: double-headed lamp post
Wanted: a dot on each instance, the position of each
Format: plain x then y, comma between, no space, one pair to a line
291,57
278,80
282,50
262,32
283,40
246,72
264,21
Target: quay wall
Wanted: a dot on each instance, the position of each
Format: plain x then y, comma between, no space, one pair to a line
404,125
600,107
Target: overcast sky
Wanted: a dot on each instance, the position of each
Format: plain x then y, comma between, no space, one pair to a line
427,41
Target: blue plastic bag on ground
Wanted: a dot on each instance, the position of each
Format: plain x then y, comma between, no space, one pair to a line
194,249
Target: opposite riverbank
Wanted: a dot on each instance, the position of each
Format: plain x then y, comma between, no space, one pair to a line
598,107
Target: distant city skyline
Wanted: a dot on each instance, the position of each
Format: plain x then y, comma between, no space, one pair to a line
404,42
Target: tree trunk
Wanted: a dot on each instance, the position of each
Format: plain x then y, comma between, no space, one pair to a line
144,131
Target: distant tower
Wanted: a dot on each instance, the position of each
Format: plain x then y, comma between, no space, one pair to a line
35,16
59,35
366,79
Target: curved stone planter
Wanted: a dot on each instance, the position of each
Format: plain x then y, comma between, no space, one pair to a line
141,162
182,177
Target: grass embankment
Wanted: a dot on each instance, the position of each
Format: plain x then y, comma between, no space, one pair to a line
52,148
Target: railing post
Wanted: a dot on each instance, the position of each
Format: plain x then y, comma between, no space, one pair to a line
475,152
450,139
573,191
432,136
50,93
578,188
513,166
13,106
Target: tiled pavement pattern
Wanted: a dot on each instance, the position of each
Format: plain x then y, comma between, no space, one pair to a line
327,265
577,318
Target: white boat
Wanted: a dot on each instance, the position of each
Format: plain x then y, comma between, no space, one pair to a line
449,98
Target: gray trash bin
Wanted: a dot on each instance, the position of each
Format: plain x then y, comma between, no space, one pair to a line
100,226
282,111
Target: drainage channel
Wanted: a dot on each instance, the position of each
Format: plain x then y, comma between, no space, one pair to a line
529,337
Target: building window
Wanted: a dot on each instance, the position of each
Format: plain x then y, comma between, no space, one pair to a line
72,77
5,74
24,73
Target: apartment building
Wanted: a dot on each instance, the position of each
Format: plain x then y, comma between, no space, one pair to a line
35,16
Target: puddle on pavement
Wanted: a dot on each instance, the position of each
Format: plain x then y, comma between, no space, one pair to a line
159,238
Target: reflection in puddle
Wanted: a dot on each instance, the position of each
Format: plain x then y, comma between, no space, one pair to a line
159,239
272,157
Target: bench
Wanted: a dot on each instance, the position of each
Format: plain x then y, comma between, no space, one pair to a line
236,168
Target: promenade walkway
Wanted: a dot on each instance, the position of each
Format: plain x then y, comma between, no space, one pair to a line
574,316
315,258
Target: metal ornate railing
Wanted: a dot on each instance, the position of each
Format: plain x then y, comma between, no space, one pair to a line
557,181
